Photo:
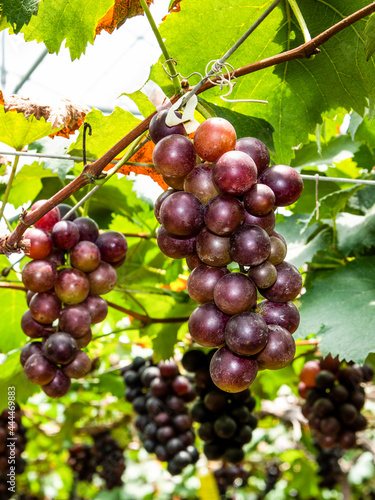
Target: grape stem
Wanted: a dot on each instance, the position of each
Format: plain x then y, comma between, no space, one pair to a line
14,242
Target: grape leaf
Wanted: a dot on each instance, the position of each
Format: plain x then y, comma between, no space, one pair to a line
119,13
12,375
370,36
12,336
18,12
355,233
339,306
298,91
72,20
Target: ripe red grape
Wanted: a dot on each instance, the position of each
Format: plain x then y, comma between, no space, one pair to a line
309,372
182,214
84,340
285,182
266,222
174,156
176,247
193,261
232,373
257,150
40,243
246,334
112,245
279,351
158,129
259,200
75,320
72,286
284,314
60,348
235,293
199,182
102,280
213,138
39,370
32,328
88,229
85,256
202,281
45,307
207,324
65,234
234,173
212,249
159,202
79,367
263,275
39,275
250,245
30,349
97,307
287,286
59,386
49,219
56,257
224,214
176,183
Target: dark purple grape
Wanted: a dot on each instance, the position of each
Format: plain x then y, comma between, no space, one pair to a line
348,413
225,426
165,433
182,422
176,404
250,246
159,202
39,276
112,245
79,367
285,182
224,214
202,281
246,334
199,182
30,349
29,296
207,324
158,129
259,200
324,380
284,314
40,243
159,387
234,173
234,455
181,385
59,386
32,328
56,257
45,307
65,234
85,256
257,150
39,370
161,453
182,214
215,401
243,434
263,275
149,374
176,183
235,293
174,156
213,451
176,247
75,320
193,360
330,426
347,440
102,280
213,138
49,219
287,286
279,351
88,229
367,373
339,394
84,340
64,209
168,368
266,222
97,307
60,348
278,251
174,445
72,286
232,373
212,249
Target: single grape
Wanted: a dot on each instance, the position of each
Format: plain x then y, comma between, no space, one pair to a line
176,247
180,385
85,256
102,280
279,351
64,209
284,314
193,360
246,334
32,328
250,245
59,386
199,182
29,296
206,325
72,286
60,348
79,367
174,156
257,150
263,275
224,214
75,320
215,401
278,235
30,349
159,202
213,138
235,293
39,370
97,307
182,214
45,307
176,183
266,222
40,243
168,368
259,200
49,219
278,251
193,261
225,426
88,229
212,249
232,373
287,286
65,234
56,257
39,275
84,340
309,372
158,129
234,173
324,380
112,245
285,182
202,281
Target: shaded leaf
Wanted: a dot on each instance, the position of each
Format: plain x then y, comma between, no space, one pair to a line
18,12
12,375
355,233
338,306
119,13
370,36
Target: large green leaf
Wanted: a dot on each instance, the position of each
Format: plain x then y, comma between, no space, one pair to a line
12,375
71,20
298,91
14,303
338,306
355,233
370,36
18,12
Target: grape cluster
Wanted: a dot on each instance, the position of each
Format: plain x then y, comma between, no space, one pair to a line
67,295
226,420
230,475
159,394
221,211
12,444
334,396
105,457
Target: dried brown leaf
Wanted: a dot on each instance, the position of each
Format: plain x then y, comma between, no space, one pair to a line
119,13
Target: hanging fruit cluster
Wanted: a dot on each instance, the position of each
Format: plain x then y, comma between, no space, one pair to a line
220,212
72,266
335,395
159,394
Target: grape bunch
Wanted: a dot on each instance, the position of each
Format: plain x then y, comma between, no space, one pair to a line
12,444
334,396
105,458
72,266
159,394
226,420
219,211
230,475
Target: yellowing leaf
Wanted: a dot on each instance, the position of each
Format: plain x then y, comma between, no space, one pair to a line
119,13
